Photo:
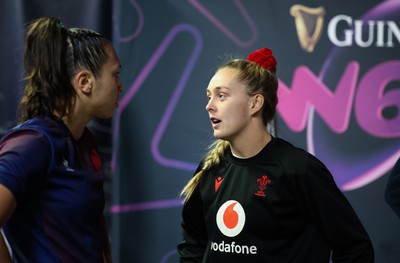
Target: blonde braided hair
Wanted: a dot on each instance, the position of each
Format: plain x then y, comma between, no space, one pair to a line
212,158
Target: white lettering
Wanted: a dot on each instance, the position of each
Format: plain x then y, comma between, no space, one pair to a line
393,29
358,28
332,34
214,246
253,250
233,248
343,30
380,35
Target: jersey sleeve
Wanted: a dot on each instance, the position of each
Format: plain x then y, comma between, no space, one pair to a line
24,159
392,191
194,243
329,210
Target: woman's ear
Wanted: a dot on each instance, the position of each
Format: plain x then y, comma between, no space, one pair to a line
256,103
83,81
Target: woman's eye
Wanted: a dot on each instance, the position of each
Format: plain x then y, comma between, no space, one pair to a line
222,96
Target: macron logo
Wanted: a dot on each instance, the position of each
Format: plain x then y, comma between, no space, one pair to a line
218,182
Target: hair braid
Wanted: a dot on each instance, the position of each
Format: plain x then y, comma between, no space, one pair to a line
212,158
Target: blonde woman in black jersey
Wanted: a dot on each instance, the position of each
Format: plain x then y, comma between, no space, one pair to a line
255,197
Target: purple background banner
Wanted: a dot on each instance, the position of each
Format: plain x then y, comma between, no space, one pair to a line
339,98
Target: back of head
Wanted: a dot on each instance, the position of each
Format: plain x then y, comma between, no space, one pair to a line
52,55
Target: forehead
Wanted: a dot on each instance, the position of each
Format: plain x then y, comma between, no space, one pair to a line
225,78
113,60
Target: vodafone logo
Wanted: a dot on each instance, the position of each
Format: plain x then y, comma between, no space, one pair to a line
231,218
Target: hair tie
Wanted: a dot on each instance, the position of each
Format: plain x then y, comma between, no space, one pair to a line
264,58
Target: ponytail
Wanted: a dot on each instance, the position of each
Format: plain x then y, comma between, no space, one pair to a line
47,85
52,55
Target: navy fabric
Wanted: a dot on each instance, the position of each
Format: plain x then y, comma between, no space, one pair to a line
58,184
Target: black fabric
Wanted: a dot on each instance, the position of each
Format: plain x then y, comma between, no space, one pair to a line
392,192
299,216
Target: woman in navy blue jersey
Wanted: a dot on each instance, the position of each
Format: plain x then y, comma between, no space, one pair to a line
51,177
255,197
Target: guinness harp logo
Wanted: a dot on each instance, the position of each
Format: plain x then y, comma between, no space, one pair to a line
309,23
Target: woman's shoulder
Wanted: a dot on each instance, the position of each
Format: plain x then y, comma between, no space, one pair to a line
42,128
286,148
44,124
291,155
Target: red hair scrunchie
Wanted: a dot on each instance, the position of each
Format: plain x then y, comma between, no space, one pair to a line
264,58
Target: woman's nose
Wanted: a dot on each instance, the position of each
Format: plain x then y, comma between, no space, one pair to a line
209,105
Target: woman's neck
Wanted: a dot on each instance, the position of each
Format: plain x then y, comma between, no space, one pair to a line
250,147
75,123
74,127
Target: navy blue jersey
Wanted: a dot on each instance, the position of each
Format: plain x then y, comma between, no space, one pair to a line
281,205
57,182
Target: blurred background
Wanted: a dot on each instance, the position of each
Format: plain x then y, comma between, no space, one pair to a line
339,92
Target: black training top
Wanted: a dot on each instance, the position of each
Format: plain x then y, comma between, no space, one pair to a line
281,205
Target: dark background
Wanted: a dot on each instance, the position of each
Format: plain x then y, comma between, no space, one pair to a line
169,51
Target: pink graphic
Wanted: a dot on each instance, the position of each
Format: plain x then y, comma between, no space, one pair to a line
307,90
139,25
369,101
226,30
129,95
372,98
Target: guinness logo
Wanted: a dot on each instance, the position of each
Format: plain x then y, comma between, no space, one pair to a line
309,23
